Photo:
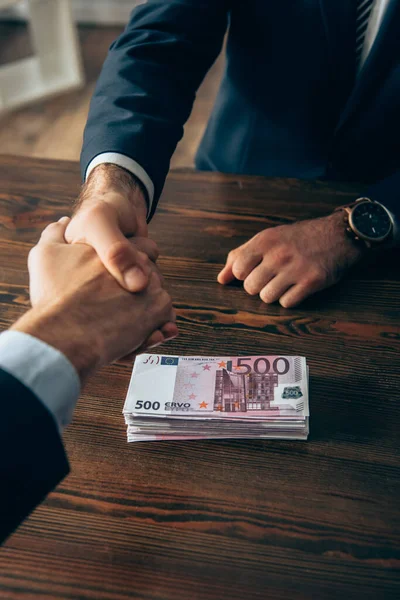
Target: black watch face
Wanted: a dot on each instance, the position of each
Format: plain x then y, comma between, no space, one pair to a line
371,220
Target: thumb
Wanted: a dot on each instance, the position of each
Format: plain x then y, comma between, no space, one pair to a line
128,265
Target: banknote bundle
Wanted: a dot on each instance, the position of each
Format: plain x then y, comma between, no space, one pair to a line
191,397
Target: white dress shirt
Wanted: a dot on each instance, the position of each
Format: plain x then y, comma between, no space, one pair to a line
44,371
375,21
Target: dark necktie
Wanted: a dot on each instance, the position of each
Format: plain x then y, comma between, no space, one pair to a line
364,8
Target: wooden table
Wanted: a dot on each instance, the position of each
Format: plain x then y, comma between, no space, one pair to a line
237,520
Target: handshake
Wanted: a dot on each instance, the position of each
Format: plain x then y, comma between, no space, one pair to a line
80,309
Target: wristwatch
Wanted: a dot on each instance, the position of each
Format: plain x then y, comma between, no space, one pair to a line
368,221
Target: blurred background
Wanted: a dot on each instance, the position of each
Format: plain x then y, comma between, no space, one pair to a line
51,54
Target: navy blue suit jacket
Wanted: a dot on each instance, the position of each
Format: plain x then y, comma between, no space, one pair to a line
32,457
289,103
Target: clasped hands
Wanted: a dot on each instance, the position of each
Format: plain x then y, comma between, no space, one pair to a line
80,309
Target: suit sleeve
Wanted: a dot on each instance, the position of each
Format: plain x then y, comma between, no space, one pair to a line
387,192
32,456
149,80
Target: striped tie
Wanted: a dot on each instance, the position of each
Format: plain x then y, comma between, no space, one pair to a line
364,8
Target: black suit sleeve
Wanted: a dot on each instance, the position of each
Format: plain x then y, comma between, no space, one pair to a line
32,456
149,80
387,192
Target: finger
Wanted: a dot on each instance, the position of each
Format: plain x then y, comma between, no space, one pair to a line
245,263
298,293
154,281
156,338
159,280
147,246
170,330
275,288
55,232
126,263
226,275
258,278
159,300
167,333
172,316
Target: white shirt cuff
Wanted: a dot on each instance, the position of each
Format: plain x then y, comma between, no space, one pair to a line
121,160
43,370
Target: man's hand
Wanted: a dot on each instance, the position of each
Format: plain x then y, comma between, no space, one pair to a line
112,206
290,262
81,310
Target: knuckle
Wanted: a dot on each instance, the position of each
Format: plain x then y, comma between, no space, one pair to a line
239,270
232,254
282,255
267,236
316,277
165,300
145,261
79,228
117,251
50,228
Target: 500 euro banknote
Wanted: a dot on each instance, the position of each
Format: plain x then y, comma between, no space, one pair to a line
235,388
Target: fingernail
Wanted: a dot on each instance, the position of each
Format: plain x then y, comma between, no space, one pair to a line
155,345
135,279
63,219
171,337
166,339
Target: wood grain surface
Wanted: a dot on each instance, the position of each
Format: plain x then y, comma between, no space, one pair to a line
221,520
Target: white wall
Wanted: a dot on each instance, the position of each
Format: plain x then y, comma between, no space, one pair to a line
88,11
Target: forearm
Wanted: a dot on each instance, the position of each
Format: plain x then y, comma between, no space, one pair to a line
53,327
51,356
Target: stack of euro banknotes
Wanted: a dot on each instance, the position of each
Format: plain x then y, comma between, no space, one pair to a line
190,398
